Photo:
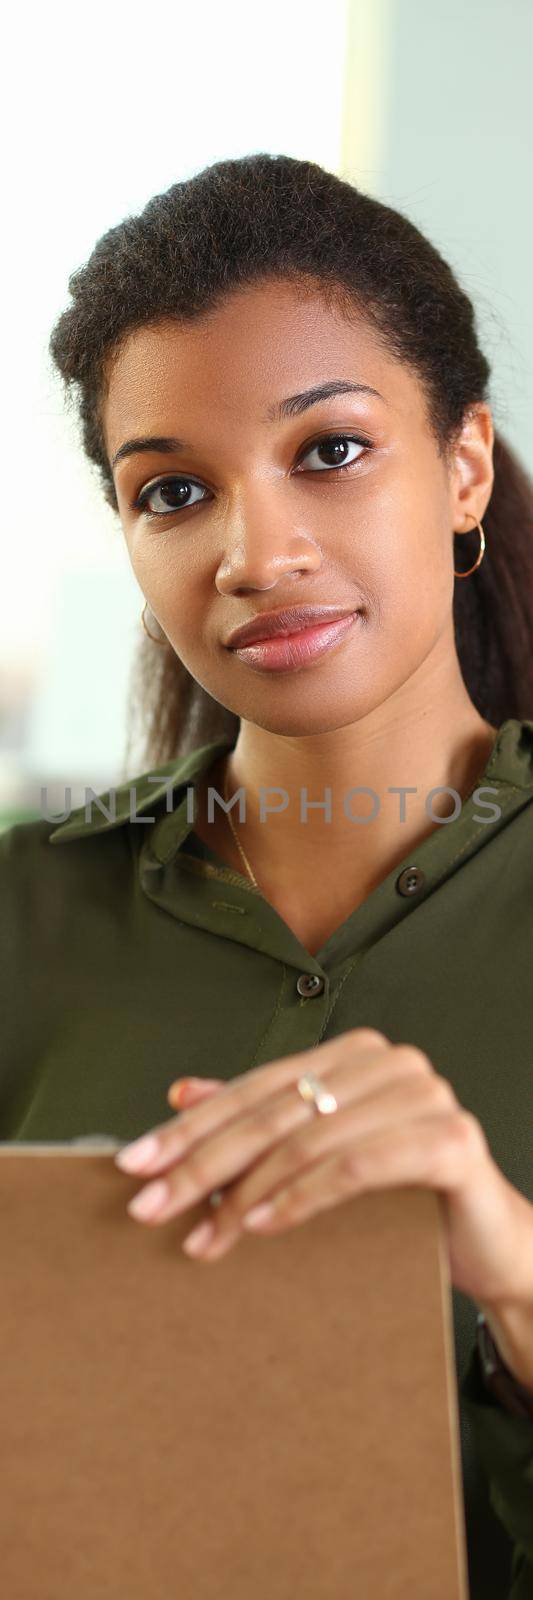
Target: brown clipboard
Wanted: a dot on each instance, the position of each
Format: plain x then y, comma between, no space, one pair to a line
279,1425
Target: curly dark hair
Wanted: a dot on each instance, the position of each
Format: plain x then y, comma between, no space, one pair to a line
264,217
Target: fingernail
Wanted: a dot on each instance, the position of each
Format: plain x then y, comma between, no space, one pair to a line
184,1088
151,1199
258,1215
199,1238
134,1156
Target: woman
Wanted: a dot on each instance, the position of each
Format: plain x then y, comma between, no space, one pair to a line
279,381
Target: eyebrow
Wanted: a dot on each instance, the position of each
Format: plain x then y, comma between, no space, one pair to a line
292,406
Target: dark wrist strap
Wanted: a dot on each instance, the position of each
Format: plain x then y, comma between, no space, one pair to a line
512,1395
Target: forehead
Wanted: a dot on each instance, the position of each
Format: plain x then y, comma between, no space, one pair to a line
261,343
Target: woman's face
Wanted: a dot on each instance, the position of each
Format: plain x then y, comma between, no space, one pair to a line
253,512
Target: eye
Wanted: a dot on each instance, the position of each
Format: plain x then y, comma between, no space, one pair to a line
178,490
334,443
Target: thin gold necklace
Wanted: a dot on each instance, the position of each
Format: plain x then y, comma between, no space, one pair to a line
237,841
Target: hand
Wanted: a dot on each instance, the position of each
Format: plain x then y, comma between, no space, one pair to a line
398,1123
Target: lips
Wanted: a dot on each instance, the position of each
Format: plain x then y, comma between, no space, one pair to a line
284,623
292,652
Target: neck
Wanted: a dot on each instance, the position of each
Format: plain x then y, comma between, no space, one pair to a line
422,738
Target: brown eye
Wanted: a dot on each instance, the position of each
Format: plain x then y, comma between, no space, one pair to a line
175,493
334,448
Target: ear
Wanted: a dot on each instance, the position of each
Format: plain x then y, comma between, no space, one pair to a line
472,470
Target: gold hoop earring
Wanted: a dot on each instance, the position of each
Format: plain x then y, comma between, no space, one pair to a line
147,630
481,547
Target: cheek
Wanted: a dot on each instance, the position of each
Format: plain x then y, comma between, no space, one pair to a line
412,547
166,575
145,560
181,589
406,577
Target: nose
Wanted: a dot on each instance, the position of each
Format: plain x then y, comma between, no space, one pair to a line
262,548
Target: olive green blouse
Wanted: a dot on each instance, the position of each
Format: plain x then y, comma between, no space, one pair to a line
131,954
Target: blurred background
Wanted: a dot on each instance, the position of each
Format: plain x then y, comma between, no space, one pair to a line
427,107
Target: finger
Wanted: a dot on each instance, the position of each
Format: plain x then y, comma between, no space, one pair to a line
432,1152
218,1160
429,1151
401,1097
189,1091
144,1154
209,1163
172,1140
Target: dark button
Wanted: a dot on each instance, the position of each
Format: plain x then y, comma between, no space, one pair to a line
410,880
310,984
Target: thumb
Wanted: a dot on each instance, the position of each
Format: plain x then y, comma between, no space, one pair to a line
188,1091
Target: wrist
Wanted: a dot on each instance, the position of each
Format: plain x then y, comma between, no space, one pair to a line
508,1306
511,1324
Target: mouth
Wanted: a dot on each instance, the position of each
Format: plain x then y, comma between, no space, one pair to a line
289,651
292,619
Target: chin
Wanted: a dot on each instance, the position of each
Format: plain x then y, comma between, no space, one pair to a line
298,721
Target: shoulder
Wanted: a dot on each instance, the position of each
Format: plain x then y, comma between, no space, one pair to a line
22,846
34,882
32,857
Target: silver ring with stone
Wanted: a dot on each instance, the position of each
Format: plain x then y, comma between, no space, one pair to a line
313,1090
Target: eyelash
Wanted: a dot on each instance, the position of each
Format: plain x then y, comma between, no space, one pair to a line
158,516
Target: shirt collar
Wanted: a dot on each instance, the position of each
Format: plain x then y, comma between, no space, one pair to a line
511,757
510,763
211,897
142,794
